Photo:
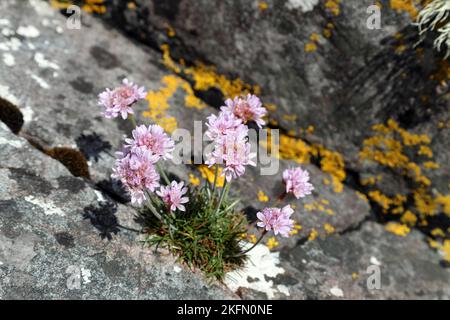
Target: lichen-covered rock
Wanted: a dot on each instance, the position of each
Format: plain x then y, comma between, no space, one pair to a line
54,231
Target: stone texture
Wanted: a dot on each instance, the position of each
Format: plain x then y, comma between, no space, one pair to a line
54,78
53,247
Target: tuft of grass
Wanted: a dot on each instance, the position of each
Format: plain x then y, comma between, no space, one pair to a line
200,237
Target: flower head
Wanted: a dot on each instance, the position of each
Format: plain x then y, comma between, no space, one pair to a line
137,172
120,100
219,126
154,139
247,109
276,220
172,195
234,152
296,181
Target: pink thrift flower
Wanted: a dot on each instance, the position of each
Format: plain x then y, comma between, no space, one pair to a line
219,126
276,220
173,196
154,139
120,100
137,172
247,109
296,181
234,152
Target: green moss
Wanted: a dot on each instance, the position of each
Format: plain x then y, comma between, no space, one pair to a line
11,115
72,159
200,238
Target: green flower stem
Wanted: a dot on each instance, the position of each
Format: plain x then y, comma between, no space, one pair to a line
215,180
222,194
132,120
152,208
256,243
163,173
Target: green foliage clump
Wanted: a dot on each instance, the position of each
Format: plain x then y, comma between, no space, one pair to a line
202,237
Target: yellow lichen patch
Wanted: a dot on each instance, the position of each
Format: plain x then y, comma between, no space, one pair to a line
319,205
387,147
409,218
333,6
194,180
208,173
329,228
252,238
437,232
91,6
362,196
444,201
158,103
171,32
394,204
332,163
262,196
355,276
431,165
313,235
290,117
426,151
445,249
131,5
409,6
272,243
310,47
206,77
398,229
262,6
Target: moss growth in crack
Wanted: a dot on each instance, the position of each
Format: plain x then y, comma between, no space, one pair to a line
72,159
201,238
11,115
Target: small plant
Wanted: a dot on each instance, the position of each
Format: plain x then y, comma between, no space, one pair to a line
200,225
436,17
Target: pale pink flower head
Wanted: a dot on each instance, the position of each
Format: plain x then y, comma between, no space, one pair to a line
297,182
172,195
219,126
136,170
276,220
247,109
154,139
120,100
234,152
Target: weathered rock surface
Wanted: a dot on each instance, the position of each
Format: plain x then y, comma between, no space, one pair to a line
54,239
54,74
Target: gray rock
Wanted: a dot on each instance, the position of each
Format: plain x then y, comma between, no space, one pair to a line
51,244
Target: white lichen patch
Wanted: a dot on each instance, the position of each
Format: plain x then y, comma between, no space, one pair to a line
28,31
43,62
337,292
15,143
27,113
6,94
12,44
4,22
303,5
41,82
261,265
46,205
177,269
99,196
375,261
7,32
42,7
8,59
86,275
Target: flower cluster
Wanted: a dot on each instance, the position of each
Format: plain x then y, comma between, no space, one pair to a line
297,182
276,220
230,135
136,170
120,100
172,196
248,109
138,167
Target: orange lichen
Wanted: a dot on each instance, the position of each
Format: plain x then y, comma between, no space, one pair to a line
398,229
209,173
262,196
272,243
